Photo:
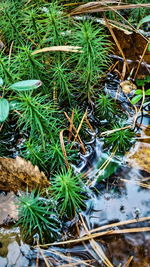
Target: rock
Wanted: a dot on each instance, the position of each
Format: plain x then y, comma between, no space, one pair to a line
8,210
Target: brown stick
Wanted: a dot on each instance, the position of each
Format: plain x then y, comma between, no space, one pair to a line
63,149
116,41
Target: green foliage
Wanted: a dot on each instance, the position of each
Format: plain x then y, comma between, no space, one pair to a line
137,14
68,191
61,81
19,86
105,107
106,169
4,109
143,20
142,82
120,139
50,158
93,61
37,215
37,113
139,95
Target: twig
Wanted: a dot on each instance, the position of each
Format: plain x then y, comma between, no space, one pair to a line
63,149
79,128
74,128
116,41
128,262
96,247
145,49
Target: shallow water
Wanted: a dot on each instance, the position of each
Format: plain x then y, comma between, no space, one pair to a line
112,200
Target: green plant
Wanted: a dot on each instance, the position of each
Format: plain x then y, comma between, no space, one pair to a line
20,86
105,107
51,157
10,22
93,60
61,81
37,215
136,14
139,95
68,191
120,139
37,114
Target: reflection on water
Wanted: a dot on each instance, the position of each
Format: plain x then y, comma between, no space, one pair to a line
113,201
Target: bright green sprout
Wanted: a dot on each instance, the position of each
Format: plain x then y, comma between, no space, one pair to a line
68,191
37,216
105,107
121,139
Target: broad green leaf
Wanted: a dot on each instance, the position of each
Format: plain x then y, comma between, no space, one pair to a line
26,85
148,48
144,20
138,92
1,81
4,109
110,169
147,92
136,99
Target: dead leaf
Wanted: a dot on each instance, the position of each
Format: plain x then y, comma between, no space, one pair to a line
127,86
67,48
139,157
18,174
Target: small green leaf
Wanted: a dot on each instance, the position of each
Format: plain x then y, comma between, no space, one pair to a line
138,92
147,92
26,85
1,81
144,20
148,48
4,109
136,99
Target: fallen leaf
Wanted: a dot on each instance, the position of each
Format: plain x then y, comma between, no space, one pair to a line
139,157
127,86
18,174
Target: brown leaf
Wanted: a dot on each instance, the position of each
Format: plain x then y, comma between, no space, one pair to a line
67,48
139,157
18,174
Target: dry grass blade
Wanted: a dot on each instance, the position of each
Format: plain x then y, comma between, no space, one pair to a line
79,138
137,183
93,7
96,247
145,49
74,49
119,224
92,236
116,41
115,130
71,125
128,262
79,128
63,148
70,259
45,260
84,8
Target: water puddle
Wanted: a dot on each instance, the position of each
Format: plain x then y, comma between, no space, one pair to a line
123,196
